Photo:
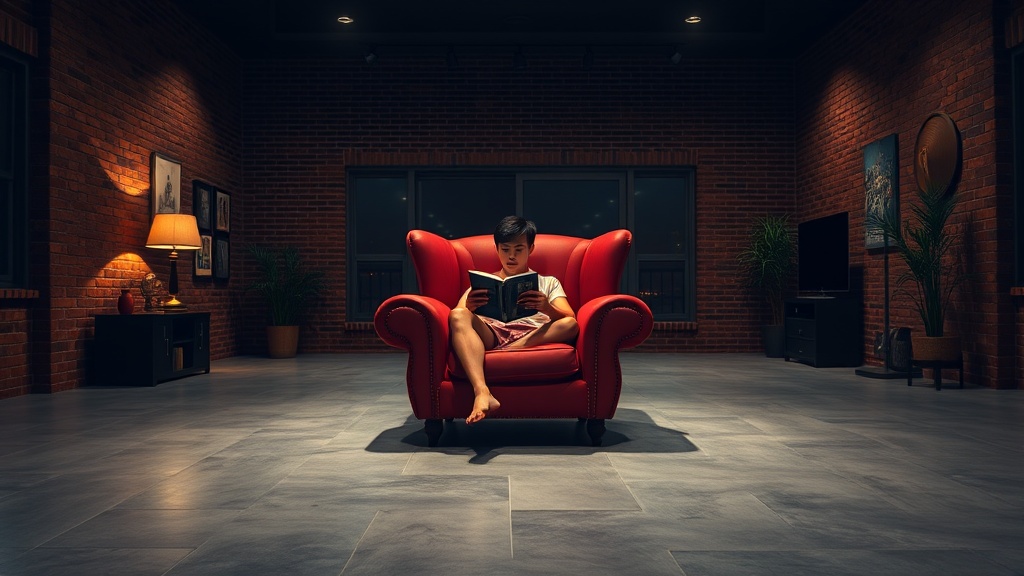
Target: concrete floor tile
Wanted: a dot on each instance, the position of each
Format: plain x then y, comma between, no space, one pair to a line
713,464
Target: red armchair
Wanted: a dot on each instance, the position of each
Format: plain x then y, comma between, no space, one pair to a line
550,381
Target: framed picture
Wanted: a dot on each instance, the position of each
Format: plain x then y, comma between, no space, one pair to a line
223,211
165,184
202,204
881,186
204,257
221,257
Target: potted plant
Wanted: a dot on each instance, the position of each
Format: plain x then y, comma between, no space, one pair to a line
288,288
767,265
927,244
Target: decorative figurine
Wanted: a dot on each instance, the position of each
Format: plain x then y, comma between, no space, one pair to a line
152,288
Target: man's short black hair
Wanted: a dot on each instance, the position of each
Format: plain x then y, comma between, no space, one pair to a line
512,227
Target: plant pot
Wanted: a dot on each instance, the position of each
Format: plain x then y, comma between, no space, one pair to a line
774,339
936,348
282,341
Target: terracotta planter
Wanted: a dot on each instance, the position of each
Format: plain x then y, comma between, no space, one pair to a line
125,303
282,341
936,348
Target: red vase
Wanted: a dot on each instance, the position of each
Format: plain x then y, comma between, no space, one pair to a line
125,302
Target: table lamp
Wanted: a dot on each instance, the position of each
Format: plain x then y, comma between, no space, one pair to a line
174,232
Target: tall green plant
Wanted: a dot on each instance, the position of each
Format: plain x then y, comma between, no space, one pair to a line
767,261
286,287
927,244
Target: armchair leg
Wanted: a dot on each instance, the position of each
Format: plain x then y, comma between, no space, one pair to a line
595,428
433,428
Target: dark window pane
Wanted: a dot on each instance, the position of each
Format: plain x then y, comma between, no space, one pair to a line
376,282
661,215
663,286
8,97
6,231
458,207
381,215
584,208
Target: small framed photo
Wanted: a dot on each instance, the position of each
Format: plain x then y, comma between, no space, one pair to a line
223,211
165,184
202,205
204,257
221,258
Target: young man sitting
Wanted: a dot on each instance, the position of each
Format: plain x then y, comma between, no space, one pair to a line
472,334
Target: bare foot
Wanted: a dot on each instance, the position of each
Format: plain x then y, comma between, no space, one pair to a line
483,404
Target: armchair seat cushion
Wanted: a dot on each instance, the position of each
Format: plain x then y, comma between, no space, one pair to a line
548,362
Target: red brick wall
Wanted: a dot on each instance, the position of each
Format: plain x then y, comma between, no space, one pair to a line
306,122
881,75
116,81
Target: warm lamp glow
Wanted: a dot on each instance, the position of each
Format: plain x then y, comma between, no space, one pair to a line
174,232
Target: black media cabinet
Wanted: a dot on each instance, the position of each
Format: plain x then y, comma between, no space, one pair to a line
824,332
146,349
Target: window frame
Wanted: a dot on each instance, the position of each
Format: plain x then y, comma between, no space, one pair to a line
626,176
1017,99
14,217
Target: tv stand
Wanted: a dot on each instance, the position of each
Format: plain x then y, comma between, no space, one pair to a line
823,332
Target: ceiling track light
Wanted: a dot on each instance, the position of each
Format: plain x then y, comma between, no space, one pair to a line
370,56
588,58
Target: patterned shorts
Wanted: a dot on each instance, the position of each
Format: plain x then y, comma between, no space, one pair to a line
507,333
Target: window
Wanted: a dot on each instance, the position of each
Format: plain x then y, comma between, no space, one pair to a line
658,206
13,172
1018,164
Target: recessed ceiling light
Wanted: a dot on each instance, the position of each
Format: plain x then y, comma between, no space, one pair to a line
345,19
693,20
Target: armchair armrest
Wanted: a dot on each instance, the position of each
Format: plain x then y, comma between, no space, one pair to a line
609,324
419,325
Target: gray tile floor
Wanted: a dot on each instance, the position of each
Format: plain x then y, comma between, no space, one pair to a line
714,465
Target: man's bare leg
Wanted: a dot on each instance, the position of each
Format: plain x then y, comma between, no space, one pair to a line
471,337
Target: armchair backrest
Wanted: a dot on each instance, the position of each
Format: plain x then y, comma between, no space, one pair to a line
587,268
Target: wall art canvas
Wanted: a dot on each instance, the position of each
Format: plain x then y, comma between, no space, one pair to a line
202,205
223,211
165,184
204,257
881,185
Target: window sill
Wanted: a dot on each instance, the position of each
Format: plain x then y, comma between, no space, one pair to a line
359,327
18,294
675,326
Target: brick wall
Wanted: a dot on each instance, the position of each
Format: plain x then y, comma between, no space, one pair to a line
119,80
877,76
306,122
115,81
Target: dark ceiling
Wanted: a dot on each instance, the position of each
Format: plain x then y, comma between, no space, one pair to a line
728,28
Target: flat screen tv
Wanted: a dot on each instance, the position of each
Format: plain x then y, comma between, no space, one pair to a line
823,254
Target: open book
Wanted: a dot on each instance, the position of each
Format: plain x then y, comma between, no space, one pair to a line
504,293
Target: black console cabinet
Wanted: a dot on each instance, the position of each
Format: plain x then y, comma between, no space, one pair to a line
146,349
824,332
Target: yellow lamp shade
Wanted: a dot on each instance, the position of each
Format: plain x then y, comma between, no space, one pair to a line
174,232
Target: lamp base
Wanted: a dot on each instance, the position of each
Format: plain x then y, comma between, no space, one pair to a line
173,305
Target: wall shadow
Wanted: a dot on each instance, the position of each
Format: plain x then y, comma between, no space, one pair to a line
631,431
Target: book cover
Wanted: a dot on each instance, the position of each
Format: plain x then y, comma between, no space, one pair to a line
504,293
